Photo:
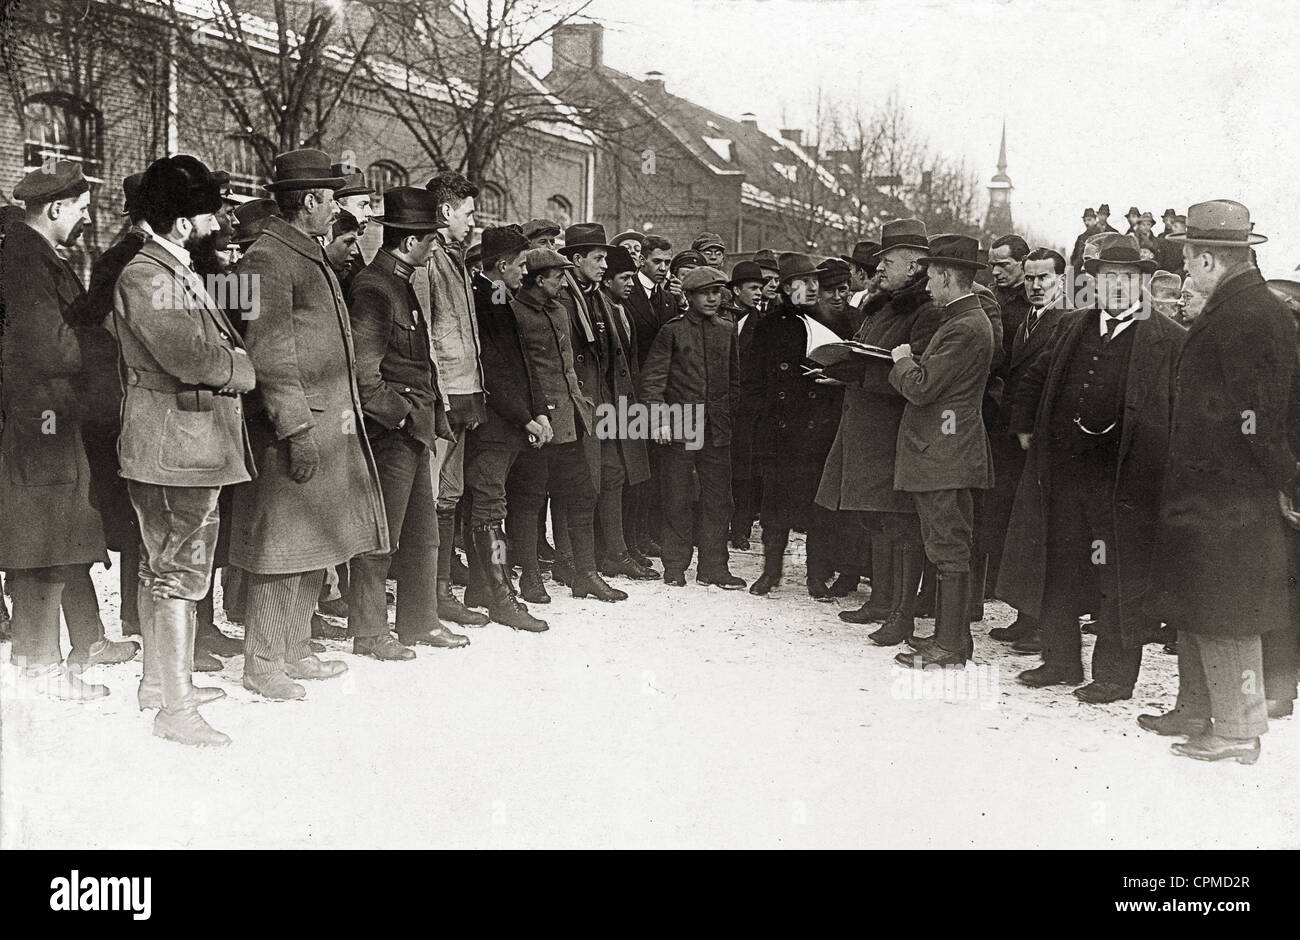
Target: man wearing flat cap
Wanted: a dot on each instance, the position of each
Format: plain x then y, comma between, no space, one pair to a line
52,533
185,369
1229,495
833,276
693,367
542,233
316,502
859,472
405,416
711,247
1093,412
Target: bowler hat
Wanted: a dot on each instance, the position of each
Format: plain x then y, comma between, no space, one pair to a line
619,260
536,228
409,207
177,187
708,240
832,272
303,169
40,187
252,218
1114,248
702,278
584,235
864,255
765,258
744,271
500,241
543,259
958,251
902,233
629,235
354,181
792,264
689,256
1219,222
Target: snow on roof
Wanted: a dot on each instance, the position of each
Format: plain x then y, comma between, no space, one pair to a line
721,146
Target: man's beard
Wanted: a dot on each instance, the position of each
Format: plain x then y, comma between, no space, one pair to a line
203,250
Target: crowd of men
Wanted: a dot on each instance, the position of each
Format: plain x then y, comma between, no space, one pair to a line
238,389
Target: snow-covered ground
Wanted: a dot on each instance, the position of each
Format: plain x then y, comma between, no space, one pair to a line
681,717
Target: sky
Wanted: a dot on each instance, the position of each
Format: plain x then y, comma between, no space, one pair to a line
1159,103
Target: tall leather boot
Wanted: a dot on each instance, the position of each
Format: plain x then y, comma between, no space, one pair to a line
925,604
979,567
901,623
952,644
449,608
489,546
477,592
150,693
774,544
884,569
523,548
586,579
179,719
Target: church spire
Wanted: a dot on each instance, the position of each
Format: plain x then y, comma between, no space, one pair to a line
998,220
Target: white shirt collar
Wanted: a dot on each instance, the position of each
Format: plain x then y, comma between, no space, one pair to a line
646,282
180,254
1126,319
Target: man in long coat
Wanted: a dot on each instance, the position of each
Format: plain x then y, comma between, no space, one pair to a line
51,534
1223,570
1094,413
317,500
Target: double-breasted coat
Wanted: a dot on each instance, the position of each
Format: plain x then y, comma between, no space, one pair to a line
695,362
300,342
46,517
1222,543
1143,455
859,469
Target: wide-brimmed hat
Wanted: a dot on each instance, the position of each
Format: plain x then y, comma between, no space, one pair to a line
409,207
864,254
1132,210
1090,212
792,264
1114,248
702,278
584,235
252,218
354,181
1219,222
1146,217
958,251
833,272
1168,214
178,187
903,233
708,240
303,169
744,271
765,258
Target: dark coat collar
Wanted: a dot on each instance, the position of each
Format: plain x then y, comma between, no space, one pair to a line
291,237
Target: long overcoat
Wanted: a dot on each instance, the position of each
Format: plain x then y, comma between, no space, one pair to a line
1143,455
46,517
622,373
300,342
1222,550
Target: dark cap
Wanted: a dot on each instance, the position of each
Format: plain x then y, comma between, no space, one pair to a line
793,264
708,240
41,186
500,241
543,259
832,272
130,190
620,261
746,271
177,187
537,228
689,256
702,278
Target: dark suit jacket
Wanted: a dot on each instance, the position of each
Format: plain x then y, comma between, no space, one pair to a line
512,400
648,314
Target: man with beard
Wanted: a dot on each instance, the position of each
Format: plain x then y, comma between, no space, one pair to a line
52,533
1044,272
624,462
316,502
1093,412
514,421
1090,228
404,418
185,368
746,285
796,428
694,369
859,473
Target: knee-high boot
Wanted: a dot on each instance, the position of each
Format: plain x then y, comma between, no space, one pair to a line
489,547
900,624
952,644
885,563
179,719
150,692
449,607
774,543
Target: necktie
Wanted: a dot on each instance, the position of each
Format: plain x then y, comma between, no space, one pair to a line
1113,324
1031,321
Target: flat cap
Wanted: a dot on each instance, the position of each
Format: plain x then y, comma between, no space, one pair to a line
536,228
702,279
708,240
542,259
41,185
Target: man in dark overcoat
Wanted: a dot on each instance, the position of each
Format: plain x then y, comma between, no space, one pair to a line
747,294
1093,411
51,533
397,380
943,449
795,425
317,500
1223,568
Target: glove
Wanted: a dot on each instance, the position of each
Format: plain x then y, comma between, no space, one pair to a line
304,456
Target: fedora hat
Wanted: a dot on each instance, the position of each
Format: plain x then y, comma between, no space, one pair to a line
1219,222
409,207
584,235
1168,214
958,251
252,218
746,271
354,181
792,264
303,169
1147,217
903,233
864,255
1114,248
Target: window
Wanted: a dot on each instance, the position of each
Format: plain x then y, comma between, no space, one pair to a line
244,166
64,128
383,175
490,207
560,211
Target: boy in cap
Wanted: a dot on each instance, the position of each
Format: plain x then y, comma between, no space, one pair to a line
694,367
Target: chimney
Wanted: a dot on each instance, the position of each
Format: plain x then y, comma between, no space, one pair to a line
655,80
793,134
748,119
578,46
